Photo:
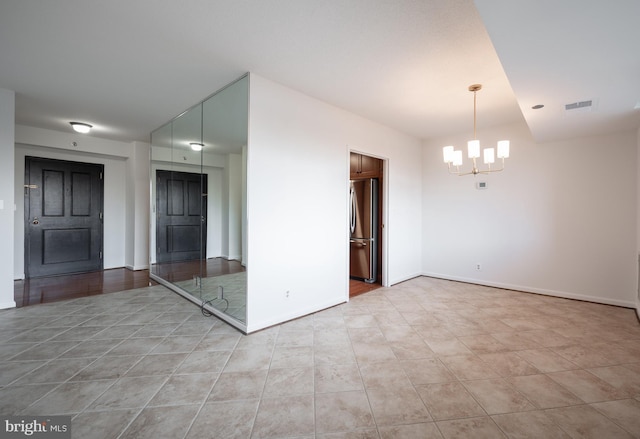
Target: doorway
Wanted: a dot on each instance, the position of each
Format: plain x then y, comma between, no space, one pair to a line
63,217
181,221
365,252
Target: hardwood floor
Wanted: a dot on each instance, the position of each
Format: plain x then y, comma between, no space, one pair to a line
179,271
55,288
357,287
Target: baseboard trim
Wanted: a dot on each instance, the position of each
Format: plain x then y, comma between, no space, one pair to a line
8,305
541,291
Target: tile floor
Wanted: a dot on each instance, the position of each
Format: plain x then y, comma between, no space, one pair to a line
427,358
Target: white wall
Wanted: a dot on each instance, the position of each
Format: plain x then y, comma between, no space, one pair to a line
7,134
638,221
558,220
298,174
114,156
137,218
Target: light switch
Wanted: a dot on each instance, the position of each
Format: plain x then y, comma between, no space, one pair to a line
1,204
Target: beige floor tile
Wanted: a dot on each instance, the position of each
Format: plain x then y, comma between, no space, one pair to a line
483,344
427,371
333,354
331,337
204,362
225,419
497,396
625,412
397,405
107,368
102,424
516,341
548,338
619,352
342,411
399,332
624,378
158,422
292,356
366,335
292,337
386,374
535,424
373,352
174,344
411,348
160,364
129,392
449,401
425,430
337,378
184,389
546,360
476,428
274,422
14,399
528,339
70,398
289,381
450,346
586,422
360,321
543,392
469,367
248,359
583,356
587,386
55,371
521,324
239,385
508,364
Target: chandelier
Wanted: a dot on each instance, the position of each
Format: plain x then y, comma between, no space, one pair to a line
453,158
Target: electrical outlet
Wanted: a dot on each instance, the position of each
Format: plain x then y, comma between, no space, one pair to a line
478,267
286,294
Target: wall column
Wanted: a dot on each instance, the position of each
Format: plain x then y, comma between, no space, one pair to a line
7,211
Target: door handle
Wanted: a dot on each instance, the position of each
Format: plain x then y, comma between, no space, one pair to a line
35,221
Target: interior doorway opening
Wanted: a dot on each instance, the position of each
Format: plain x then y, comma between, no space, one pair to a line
366,237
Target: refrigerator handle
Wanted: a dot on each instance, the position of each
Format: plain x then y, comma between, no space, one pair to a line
353,209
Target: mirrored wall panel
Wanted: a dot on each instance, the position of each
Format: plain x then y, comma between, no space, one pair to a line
198,203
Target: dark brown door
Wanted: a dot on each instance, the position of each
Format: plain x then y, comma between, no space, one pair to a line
181,216
63,217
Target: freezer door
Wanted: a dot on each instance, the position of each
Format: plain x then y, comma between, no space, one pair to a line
361,259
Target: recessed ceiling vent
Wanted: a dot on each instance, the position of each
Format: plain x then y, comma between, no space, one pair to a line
579,106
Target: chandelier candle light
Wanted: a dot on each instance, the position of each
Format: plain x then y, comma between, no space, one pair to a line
454,158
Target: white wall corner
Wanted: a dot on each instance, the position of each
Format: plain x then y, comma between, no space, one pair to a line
7,183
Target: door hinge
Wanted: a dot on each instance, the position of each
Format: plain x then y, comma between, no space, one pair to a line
100,175
100,215
100,255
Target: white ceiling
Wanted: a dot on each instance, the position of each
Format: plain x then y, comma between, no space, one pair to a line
128,67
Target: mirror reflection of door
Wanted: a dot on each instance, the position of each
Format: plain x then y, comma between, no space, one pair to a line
63,217
181,208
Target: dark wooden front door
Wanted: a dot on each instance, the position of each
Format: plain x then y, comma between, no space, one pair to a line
181,216
63,217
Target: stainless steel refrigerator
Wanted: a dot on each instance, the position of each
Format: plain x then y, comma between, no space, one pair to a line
364,229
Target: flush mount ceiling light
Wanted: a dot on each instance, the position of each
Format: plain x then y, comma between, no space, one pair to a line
196,146
454,158
81,127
